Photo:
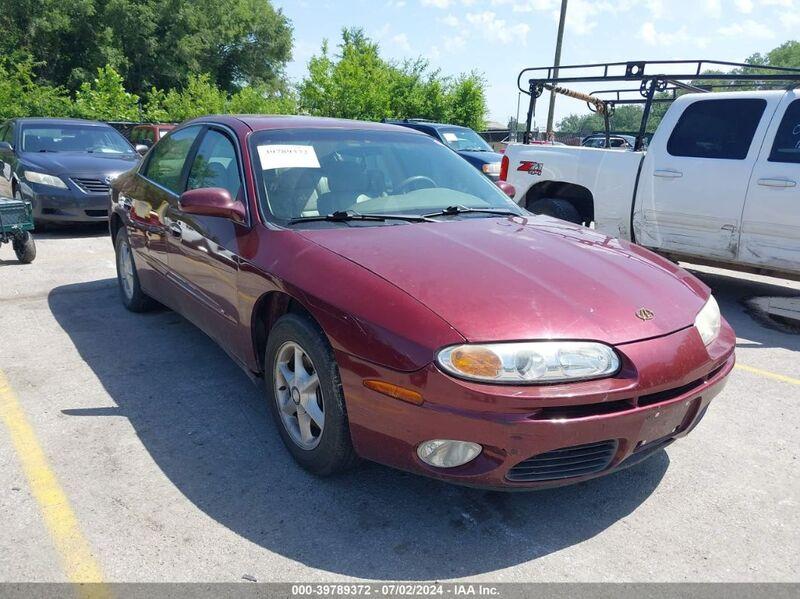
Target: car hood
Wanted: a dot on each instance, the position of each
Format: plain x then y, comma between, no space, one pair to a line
503,279
79,164
481,157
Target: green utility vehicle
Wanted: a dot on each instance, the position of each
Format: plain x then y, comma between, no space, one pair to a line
16,224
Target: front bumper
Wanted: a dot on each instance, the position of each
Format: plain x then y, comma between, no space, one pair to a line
661,393
71,205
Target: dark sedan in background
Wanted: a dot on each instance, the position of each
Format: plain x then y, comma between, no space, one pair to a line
62,166
466,143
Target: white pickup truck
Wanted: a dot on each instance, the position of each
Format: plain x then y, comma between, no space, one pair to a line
717,185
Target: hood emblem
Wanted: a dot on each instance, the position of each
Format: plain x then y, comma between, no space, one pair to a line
645,314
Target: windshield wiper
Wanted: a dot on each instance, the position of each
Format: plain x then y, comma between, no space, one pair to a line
351,215
456,210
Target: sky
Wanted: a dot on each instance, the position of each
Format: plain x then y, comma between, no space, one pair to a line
497,38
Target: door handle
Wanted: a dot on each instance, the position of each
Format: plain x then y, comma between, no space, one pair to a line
668,174
175,229
777,182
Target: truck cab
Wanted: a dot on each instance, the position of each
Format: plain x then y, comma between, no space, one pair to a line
717,185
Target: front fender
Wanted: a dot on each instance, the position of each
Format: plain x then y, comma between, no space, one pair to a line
362,314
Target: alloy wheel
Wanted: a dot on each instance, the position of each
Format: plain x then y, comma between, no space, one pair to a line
299,396
126,275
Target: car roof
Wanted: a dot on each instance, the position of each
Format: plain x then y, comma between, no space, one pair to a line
50,121
431,124
259,122
155,126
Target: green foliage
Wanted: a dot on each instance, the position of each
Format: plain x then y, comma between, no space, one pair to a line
467,102
357,83
259,100
150,42
625,118
199,97
20,95
105,98
785,55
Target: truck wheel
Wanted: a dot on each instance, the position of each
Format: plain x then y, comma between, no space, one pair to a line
24,247
557,209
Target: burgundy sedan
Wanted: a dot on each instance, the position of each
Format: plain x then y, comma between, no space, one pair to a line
401,308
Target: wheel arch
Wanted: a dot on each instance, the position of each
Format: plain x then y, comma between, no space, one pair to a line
577,195
114,225
266,312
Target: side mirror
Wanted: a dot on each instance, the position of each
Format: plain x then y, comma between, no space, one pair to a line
141,149
506,188
212,201
5,147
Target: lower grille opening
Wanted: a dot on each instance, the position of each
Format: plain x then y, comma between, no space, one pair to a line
567,462
96,212
583,411
661,396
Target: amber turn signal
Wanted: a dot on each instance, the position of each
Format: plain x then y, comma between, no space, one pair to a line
476,361
394,391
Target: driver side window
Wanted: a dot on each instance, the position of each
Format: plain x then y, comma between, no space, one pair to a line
215,165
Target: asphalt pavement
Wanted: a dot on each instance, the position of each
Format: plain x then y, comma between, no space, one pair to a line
133,449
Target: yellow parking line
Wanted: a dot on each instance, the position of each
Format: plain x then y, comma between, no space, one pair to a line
62,525
770,375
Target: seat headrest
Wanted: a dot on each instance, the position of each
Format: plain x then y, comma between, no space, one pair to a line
346,177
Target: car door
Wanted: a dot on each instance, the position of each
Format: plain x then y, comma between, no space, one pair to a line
693,182
203,250
147,198
771,218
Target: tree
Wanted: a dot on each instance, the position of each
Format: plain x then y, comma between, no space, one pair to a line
150,42
357,83
20,95
626,118
200,97
785,55
105,98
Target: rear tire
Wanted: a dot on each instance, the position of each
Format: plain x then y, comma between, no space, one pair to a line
315,384
130,291
557,208
24,247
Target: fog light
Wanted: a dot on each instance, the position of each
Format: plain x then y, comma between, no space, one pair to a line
445,453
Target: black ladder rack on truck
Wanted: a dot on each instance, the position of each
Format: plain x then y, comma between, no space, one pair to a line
653,78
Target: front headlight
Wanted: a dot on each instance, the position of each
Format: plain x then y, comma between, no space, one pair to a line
708,321
531,362
492,168
43,179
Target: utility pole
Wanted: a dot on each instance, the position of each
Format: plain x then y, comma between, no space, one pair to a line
556,63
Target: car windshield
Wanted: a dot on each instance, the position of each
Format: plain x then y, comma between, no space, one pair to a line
74,138
462,139
312,173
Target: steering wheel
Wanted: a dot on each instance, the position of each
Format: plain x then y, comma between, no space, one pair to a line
416,179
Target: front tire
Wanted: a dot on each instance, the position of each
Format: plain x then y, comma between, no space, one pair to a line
130,291
24,247
305,396
557,208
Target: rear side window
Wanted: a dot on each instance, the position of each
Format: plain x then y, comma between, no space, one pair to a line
168,157
720,129
787,141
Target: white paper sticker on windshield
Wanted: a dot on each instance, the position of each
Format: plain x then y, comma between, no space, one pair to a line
286,156
451,137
